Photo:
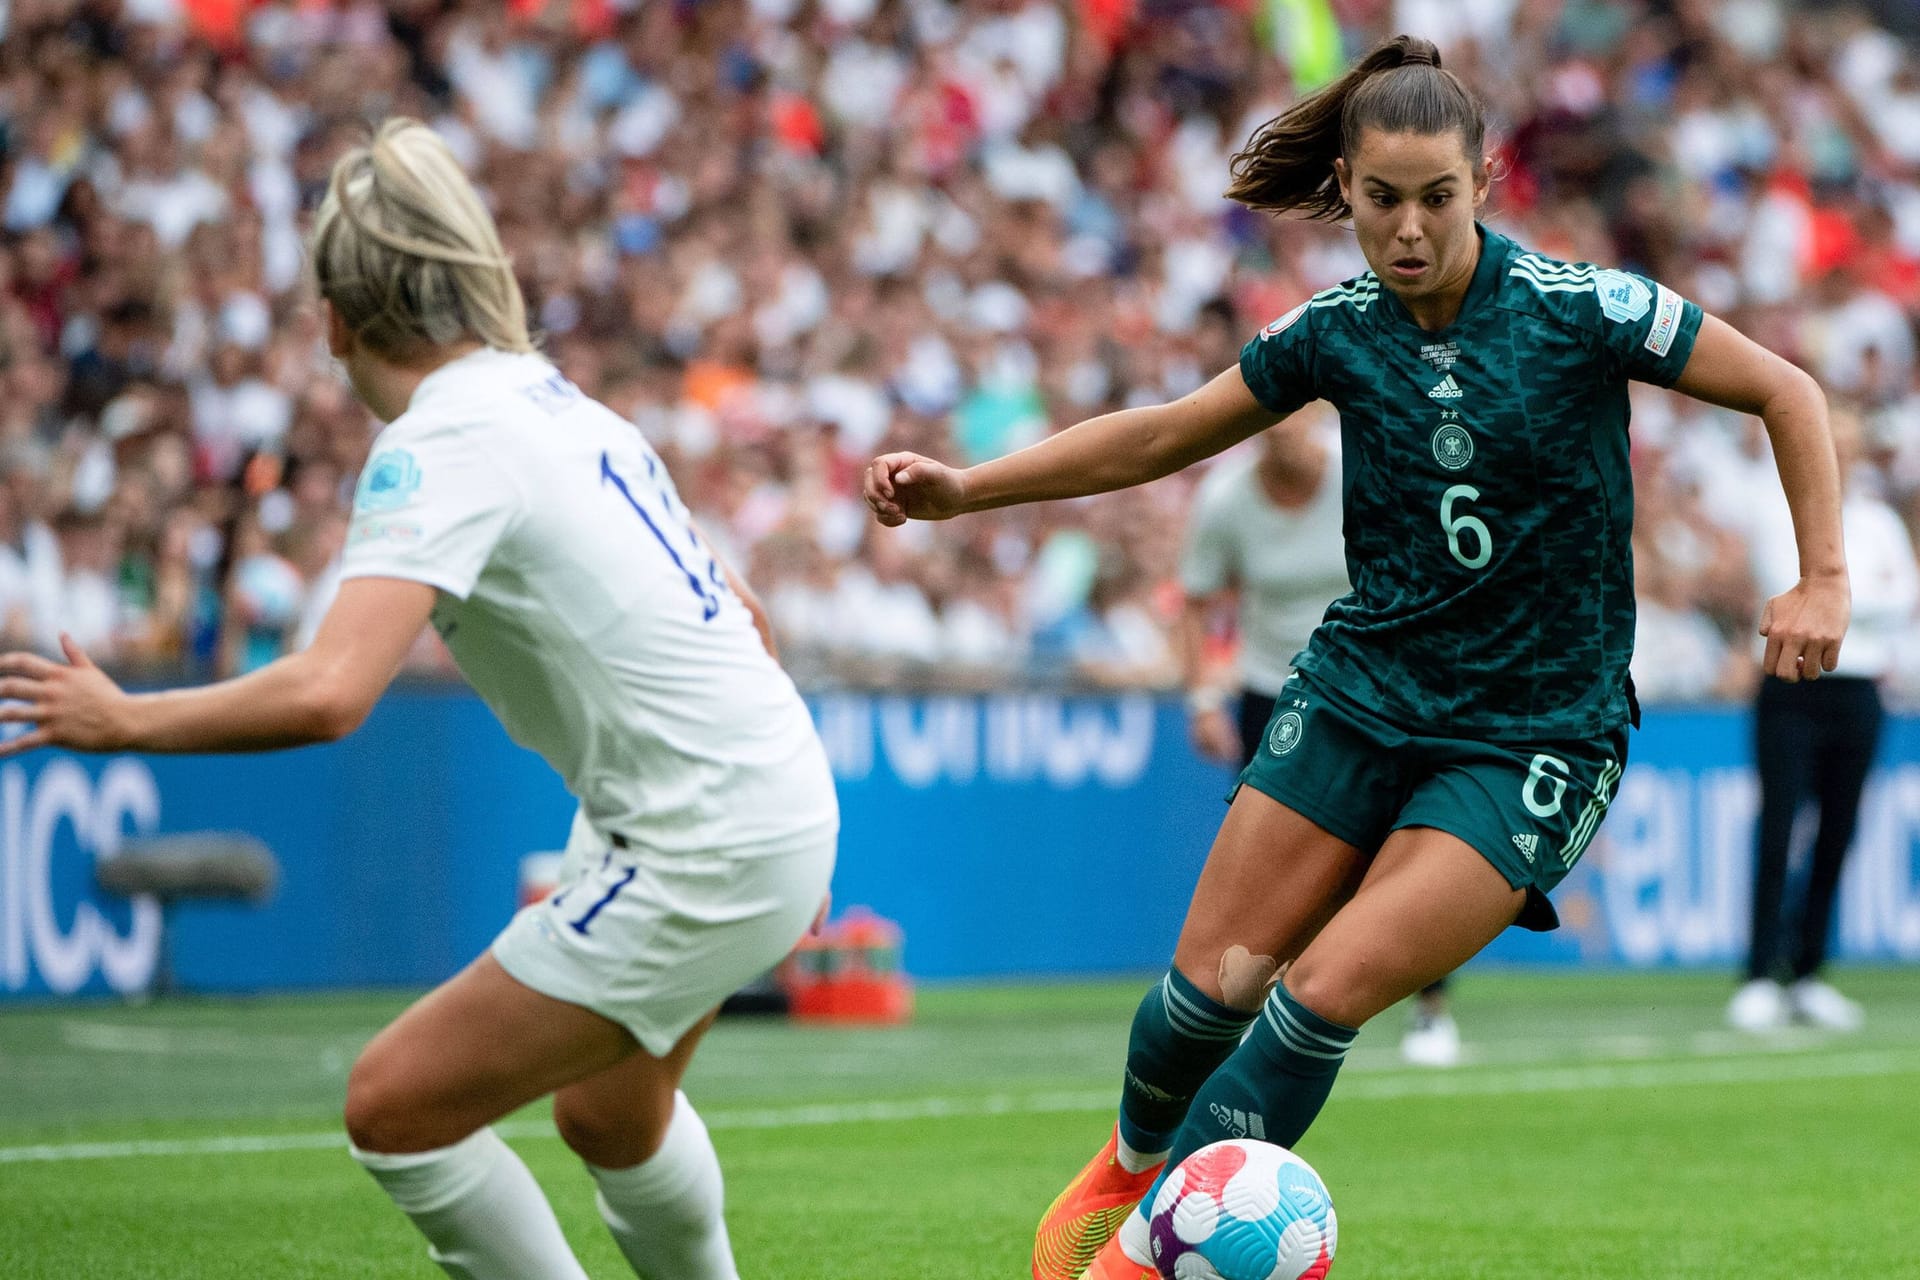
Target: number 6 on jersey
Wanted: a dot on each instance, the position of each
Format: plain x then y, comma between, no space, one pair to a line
1454,525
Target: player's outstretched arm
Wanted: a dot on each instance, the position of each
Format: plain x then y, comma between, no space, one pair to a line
1803,626
1113,451
317,695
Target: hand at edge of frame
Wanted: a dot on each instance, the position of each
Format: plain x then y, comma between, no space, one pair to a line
70,704
899,487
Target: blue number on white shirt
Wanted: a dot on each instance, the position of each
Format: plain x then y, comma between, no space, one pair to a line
707,589
620,882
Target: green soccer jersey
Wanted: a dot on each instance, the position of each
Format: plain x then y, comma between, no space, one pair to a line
1489,501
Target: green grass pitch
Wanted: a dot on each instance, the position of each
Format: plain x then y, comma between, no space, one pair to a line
1606,1126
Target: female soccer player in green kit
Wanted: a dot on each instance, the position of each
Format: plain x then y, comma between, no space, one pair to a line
1454,731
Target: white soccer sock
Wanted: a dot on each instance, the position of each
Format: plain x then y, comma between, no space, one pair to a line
1137,1161
665,1212
483,1215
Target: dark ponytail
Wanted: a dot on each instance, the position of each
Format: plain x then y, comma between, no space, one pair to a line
1399,87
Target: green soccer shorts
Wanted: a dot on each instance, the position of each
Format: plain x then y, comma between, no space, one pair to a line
1530,809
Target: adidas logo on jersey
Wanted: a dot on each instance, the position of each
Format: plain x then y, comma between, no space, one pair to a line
1528,845
1447,390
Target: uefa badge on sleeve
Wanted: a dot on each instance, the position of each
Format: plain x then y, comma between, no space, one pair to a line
389,482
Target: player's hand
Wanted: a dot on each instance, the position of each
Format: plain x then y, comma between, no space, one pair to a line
72,704
1214,735
905,486
1804,627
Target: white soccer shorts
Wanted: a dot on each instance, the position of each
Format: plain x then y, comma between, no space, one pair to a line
655,942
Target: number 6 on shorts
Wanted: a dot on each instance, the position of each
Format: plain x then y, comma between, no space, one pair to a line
1553,772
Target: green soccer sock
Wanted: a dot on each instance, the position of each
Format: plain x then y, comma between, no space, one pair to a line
1180,1035
1272,1086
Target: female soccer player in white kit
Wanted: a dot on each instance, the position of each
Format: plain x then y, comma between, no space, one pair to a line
542,537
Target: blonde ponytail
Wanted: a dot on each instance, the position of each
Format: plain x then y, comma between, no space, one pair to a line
408,255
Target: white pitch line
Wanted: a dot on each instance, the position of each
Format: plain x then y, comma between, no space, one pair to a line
1769,1069
235,1145
220,1042
881,1111
1361,1088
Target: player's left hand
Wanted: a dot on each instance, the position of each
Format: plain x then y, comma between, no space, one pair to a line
1804,627
73,704
908,486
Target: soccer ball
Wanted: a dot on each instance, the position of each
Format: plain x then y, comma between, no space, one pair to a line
1243,1210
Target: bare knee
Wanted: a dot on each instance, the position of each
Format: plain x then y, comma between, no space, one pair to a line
385,1114
1236,977
613,1137
1245,978
374,1114
1324,989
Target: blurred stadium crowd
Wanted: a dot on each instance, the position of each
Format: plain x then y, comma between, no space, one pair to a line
784,234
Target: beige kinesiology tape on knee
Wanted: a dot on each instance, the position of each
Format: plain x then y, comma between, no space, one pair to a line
1245,977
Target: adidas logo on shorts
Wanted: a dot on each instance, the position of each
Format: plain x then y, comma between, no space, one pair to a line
1528,845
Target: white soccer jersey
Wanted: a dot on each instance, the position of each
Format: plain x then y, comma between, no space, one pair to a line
1288,565
583,608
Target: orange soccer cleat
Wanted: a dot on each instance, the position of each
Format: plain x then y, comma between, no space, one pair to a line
1113,1263
1078,1224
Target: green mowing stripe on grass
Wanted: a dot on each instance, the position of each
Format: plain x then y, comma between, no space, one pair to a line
1758,1069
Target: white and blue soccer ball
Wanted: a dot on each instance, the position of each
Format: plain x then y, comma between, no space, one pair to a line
1243,1210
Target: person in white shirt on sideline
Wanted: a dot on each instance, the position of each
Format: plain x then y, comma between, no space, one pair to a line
542,537
1265,533
1815,742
